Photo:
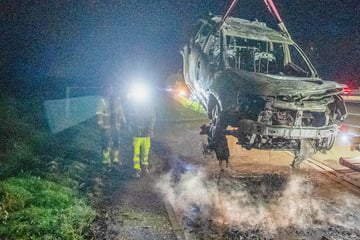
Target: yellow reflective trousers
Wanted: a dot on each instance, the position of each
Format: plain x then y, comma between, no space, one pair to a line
110,156
141,151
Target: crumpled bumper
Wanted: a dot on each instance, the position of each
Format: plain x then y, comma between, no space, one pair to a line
288,132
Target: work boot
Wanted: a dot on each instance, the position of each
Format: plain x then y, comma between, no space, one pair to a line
221,165
146,170
137,173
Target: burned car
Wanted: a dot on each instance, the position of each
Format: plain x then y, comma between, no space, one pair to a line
257,85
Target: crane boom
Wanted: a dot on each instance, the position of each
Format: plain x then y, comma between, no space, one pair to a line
273,10
231,7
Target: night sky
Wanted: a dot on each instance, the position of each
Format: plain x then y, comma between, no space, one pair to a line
109,40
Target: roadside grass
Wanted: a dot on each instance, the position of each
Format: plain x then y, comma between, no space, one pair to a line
34,208
190,104
50,183
178,108
46,180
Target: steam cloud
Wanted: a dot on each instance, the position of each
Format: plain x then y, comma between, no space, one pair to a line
296,205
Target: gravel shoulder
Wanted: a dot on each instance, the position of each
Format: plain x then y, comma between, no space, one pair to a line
131,208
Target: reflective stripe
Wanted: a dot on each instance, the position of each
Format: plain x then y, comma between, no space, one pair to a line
106,157
136,159
146,150
137,165
116,156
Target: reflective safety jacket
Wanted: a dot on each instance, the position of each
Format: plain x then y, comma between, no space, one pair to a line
141,119
110,114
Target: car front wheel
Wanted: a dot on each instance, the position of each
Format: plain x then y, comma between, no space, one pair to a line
217,138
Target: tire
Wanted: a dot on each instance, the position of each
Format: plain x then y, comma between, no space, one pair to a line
215,121
328,142
217,138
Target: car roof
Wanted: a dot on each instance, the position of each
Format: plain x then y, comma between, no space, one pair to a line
251,30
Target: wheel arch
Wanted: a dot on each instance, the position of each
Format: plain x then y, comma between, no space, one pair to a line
212,101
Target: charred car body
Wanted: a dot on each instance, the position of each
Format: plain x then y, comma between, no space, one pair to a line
257,85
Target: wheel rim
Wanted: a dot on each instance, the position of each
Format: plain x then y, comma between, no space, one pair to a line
215,120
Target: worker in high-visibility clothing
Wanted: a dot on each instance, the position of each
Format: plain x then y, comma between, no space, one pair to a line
111,118
141,120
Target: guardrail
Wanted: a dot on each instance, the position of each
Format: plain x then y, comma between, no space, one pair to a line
352,96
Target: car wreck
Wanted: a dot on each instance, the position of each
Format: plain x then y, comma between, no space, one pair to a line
257,85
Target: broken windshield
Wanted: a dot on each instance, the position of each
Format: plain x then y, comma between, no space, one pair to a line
264,57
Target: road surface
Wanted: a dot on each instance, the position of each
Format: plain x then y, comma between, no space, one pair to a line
259,196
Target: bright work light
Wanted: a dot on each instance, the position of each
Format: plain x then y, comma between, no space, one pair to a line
139,92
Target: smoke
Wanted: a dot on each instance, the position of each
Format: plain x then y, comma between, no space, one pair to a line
191,189
295,205
346,213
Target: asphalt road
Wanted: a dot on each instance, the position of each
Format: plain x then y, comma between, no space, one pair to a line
259,196
353,108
